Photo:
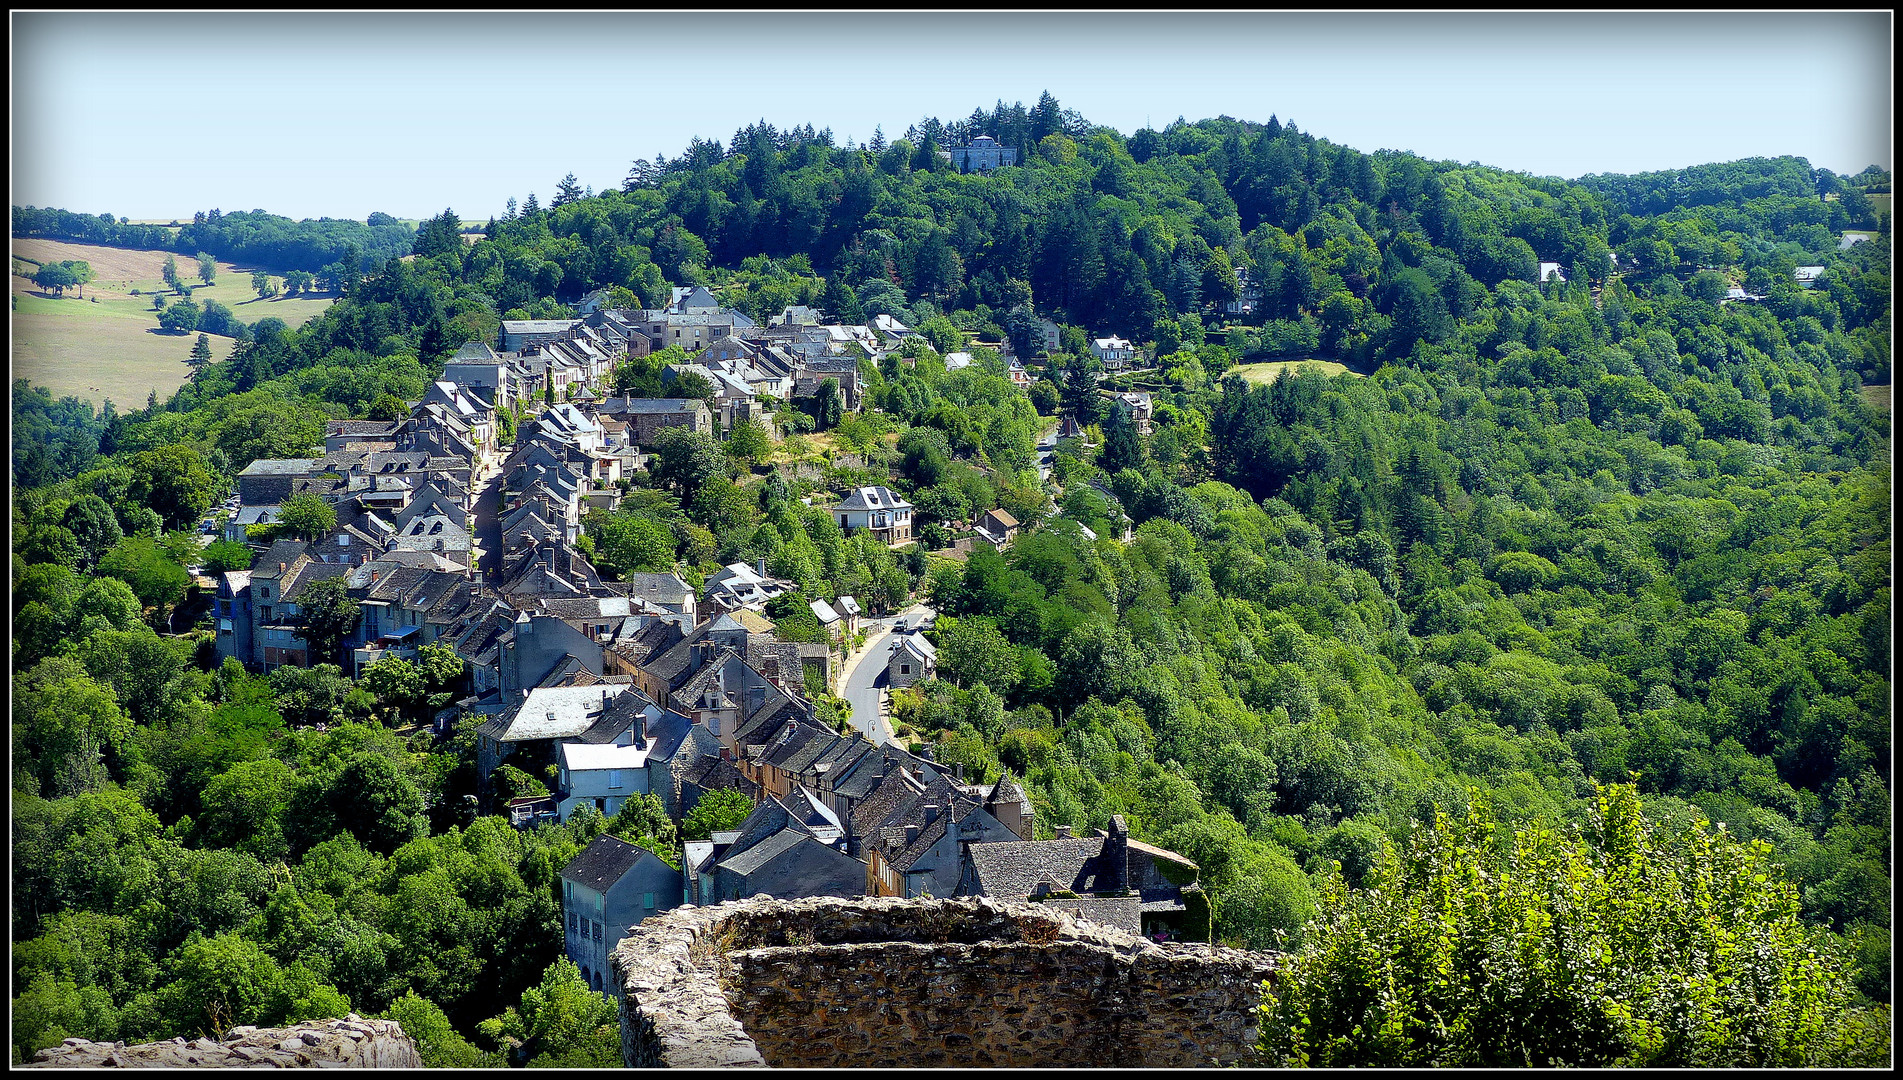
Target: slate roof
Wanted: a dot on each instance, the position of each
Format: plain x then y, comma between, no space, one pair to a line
918,646
649,406
763,852
719,774
663,589
876,497
474,350
1011,870
311,572
574,709
587,757
385,428
602,862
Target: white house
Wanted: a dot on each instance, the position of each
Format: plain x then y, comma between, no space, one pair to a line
1808,276
741,586
602,774
1113,351
878,511
1552,271
1051,334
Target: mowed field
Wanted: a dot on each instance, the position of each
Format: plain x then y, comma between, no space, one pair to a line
114,348
1269,372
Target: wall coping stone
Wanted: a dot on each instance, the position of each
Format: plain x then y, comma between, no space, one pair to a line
676,1014
349,1042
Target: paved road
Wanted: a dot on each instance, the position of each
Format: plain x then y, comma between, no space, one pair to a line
1046,446
865,677
488,537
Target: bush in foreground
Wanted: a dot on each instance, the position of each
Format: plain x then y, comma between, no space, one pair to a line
1617,945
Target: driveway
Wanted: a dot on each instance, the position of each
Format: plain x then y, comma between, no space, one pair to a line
863,676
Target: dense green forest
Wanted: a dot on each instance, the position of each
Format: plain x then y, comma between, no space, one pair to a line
1554,533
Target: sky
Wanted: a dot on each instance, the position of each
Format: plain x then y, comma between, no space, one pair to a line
308,115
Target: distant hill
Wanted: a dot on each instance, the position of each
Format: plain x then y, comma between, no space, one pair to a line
251,236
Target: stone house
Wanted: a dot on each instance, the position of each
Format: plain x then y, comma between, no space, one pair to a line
665,591
481,373
607,889
519,335
785,849
913,833
247,516
913,659
997,527
267,481
277,578
346,435
1108,866
647,417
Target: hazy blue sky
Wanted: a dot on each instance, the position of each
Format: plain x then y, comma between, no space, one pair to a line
309,115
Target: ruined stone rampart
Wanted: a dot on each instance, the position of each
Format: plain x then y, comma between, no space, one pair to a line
937,983
352,1042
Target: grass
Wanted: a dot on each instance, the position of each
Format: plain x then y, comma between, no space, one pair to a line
1269,372
108,345
1878,396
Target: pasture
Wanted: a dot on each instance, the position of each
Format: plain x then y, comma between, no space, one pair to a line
109,345
1272,370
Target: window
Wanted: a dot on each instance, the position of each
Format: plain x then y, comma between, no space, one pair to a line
905,669
614,778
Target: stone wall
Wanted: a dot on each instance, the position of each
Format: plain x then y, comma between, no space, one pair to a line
938,983
352,1042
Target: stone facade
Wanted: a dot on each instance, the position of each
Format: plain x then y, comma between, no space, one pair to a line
926,983
352,1042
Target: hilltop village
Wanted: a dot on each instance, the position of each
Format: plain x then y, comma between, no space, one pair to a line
1215,534
449,535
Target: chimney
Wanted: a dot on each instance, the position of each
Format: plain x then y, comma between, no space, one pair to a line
958,770
931,813
911,834
374,575
1063,832
925,754
759,567
280,569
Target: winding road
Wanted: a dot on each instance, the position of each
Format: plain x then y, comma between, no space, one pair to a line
863,675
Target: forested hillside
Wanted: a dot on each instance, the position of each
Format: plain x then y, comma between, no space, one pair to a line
1558,532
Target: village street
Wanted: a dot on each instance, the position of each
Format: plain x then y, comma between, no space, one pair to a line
862,676
486,539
